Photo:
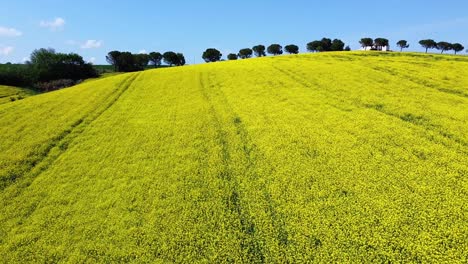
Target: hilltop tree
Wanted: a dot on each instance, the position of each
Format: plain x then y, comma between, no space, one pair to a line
428,44
314,46
155,58
127,62
403,44
245,53
381,42
113,59
457,47
366,42
292,49
232,56
443,46
275,49
259,50
212,55
326,44
170,58
180,59
347,48
337,45
141,61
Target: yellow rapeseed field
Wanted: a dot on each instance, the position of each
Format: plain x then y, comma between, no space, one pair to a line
332,157
10,93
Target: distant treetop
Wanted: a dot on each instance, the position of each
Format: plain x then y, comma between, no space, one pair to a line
212,55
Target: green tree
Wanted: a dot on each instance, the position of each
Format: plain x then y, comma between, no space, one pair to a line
275,49
337,45
170,58
428,44
245,53
366,42
403,44
457,47
232,56
155,58
127,62
381,42
291,49
443,46
259,50
43,58
326,44
347,48
113,59
141,61
180,59
314,46
211,55
48,65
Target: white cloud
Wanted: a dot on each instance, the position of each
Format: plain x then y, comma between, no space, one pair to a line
5,51
143,51
25,59
92,60
57,24
92,44
9,32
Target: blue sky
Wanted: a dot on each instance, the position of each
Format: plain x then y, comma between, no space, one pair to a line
93,28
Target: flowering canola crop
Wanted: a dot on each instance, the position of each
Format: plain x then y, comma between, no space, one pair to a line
331,157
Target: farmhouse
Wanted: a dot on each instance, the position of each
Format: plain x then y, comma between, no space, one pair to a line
378,48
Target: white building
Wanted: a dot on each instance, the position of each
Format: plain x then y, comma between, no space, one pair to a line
378,48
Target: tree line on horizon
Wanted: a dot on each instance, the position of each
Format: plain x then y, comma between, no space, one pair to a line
128,62
48,70
324,45
441,45
403,44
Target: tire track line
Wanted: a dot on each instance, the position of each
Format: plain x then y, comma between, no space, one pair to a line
59,144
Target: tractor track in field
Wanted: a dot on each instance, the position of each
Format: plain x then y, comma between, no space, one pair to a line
418,81
233,198
417,120
59,144
407,118
251,152
310,85
234,202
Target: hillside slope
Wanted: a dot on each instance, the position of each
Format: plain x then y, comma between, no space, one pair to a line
11,93
339,157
